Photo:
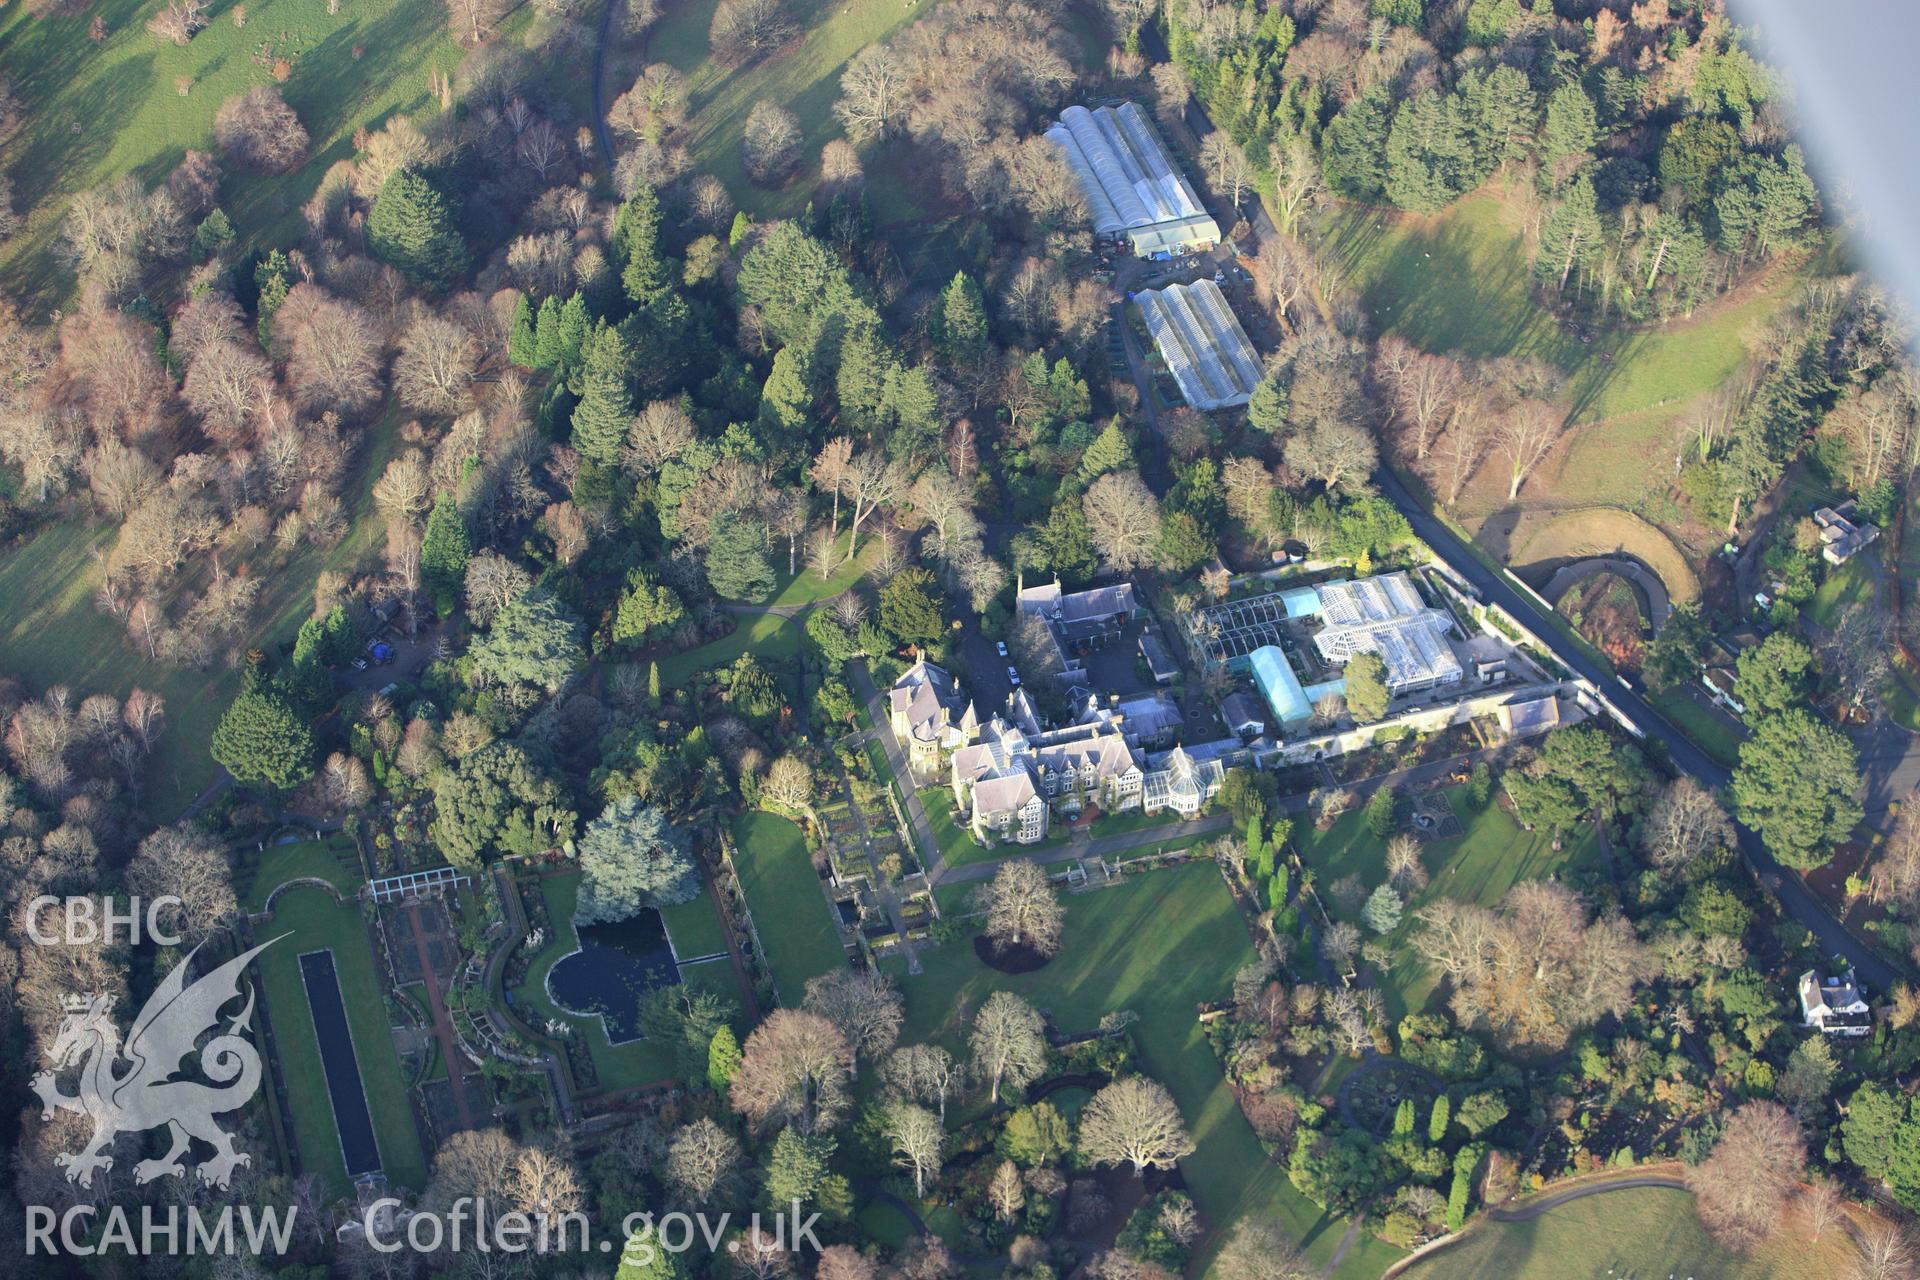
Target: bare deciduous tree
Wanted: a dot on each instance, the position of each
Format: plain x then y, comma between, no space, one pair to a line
258,130
1124,519
1528,430
333,357
794,1068
1255,1251
743,30
770,141
924,1073
1022,909
186,863
1686,821
702,1160
436,365
863,1006
1741,1189
1134,1120
1008,1042
916,1136
873,95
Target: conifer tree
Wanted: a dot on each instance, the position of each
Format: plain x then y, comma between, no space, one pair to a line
523,348
605,411
576,330
444,550
262,740
412,228
636,245
960,337
546,334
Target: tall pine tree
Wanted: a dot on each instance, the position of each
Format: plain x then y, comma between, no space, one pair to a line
523,347
444,551
412,228
636,246
605,411
960,338
546,334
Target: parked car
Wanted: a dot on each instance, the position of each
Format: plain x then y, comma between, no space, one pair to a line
1000,647
359,664
1013,677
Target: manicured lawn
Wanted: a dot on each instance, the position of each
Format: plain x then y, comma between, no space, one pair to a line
312,921
96,111
775,642
808,586
790,913
804,78
1845,584
333,860
1157,945
619,1066
1494,855
957,845
694,928
1709,732
1640,1231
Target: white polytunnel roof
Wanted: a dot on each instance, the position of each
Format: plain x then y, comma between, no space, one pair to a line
1204,346
1130,181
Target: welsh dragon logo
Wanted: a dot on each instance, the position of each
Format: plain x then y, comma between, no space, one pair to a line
144,1095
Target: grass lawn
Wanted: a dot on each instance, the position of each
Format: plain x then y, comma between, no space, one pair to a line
1709,732
97,111
619,1066
958,848
789,911
808,586
333,860
957,845
51,633
312,921
774,640
804,78
1461,282
1156,944
1494,855
694,928
1845,584
1638,1232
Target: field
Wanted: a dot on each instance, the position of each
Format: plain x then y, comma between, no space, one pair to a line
1492,856
1460,282
52,633
1156,945
804,78
1636,1234
790,913
694,929
311,921
96,111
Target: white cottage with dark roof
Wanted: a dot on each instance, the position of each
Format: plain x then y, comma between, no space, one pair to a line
1834,1005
